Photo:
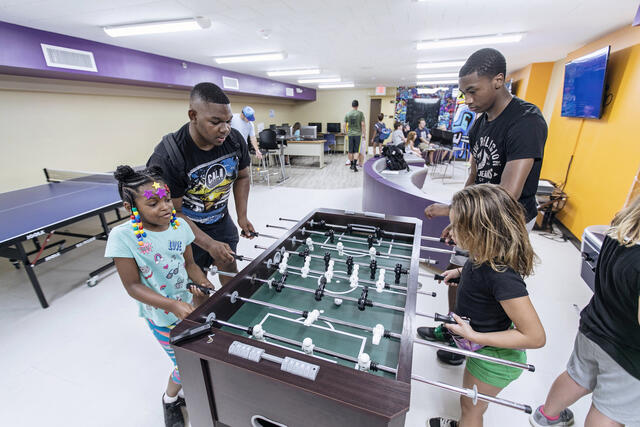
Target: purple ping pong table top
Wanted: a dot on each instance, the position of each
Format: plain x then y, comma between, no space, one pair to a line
32,211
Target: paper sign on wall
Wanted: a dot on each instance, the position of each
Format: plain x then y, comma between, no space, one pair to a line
272,113
289,91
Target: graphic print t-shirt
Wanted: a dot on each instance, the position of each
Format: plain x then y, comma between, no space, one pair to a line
519,132
205,184
160,261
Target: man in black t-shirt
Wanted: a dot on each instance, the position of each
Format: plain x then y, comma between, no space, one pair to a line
210,159
507,146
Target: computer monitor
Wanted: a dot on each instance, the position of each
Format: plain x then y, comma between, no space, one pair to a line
308,132
284,131
285,124
333,127
317,125
273,126
442,137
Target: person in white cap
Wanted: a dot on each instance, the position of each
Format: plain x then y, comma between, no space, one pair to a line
243,123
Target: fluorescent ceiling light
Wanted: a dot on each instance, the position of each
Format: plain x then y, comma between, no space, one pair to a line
471,41
157,27
438,82
327,80
307,72
274,56
437,76
442,64
335,86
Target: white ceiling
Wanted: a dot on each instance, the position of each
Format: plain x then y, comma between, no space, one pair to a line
369,42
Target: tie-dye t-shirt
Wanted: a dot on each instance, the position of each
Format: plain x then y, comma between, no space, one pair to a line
160,262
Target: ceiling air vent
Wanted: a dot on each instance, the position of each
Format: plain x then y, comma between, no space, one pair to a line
230,83
72,59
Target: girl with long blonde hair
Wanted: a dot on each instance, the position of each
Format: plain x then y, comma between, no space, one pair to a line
606,355
490,224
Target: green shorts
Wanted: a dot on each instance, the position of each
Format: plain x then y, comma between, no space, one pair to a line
493,373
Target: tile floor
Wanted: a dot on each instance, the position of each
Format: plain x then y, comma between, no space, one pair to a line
89,361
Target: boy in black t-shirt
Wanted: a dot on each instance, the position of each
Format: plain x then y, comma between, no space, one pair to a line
606,354
489,223
507,146
210,159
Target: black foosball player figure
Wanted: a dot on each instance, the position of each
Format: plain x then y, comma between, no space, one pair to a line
320,291
349,263
399,271
331,235
327,258
363,301
373,265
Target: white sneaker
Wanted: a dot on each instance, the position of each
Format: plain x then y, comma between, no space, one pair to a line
348,162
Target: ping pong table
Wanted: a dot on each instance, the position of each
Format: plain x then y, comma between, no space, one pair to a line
37,213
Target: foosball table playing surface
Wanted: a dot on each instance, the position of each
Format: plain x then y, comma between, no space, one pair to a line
316,331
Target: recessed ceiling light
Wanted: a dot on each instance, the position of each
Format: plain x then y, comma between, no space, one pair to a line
323,80
173,26
470,41
437,76
306,72
274,56
438,82
335,86
441,64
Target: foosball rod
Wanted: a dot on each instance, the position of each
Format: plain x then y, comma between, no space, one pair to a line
369,228
321,317
307,290
423,248
341,260
248,329
298,272
525,366
346,277
474,395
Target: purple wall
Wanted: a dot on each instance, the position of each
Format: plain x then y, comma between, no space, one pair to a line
636,20
383,196
21,54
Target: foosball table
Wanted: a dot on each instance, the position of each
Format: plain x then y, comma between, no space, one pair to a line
316,331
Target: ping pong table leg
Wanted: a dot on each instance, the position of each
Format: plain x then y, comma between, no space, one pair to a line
32,275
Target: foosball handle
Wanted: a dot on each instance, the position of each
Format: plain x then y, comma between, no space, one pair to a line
441,277
444,319
206,290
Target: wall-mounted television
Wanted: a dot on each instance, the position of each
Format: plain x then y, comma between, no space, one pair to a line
584,83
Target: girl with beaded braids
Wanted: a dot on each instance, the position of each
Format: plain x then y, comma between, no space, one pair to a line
153,256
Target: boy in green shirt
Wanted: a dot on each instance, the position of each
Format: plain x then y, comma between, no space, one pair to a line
354,120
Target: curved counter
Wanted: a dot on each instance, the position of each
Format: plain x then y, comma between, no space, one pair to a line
401,194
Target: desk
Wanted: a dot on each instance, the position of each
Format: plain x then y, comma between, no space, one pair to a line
339,136
314,148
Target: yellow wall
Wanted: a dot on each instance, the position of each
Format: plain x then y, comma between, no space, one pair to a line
533,82
61,124
606,153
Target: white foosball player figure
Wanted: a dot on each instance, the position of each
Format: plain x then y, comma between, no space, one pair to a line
364,362
312,317
307,345
372,253
309,243
378,332
340,248
258,332
283,264
380,282
353,280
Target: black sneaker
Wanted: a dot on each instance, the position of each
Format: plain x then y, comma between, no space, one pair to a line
449,358
173,414
439,333
442,422
181,401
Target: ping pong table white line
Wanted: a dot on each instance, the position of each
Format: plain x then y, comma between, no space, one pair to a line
46,200
364,339
48,225
84,172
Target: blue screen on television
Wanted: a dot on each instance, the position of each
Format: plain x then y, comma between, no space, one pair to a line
584,85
